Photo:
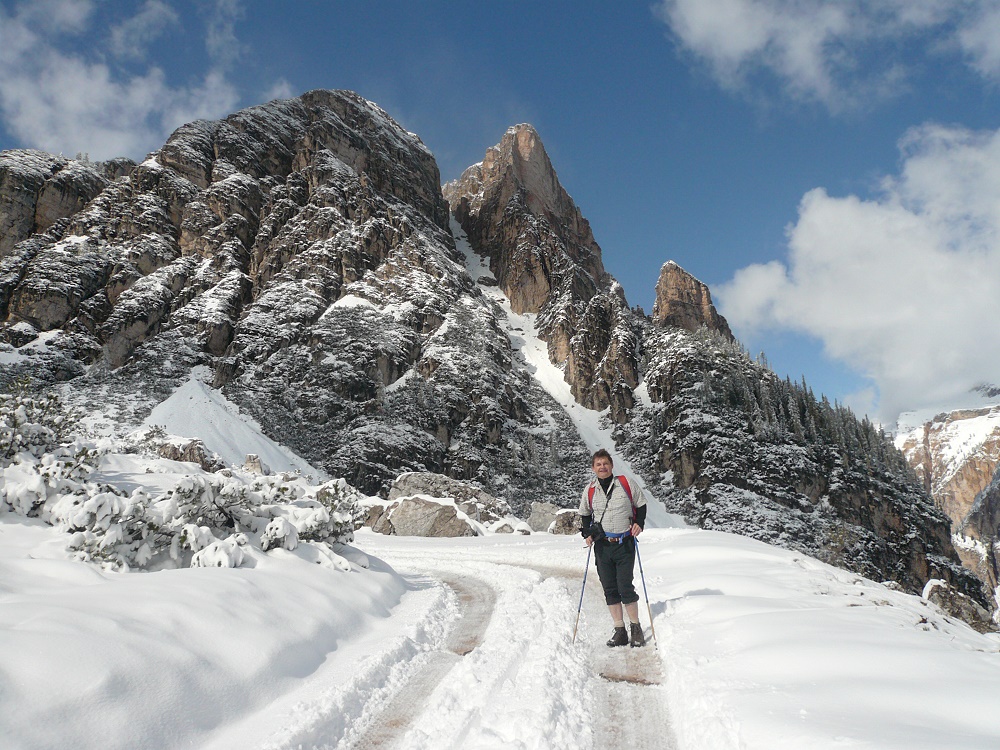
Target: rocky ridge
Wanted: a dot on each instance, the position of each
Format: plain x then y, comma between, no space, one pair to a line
543,254
301,250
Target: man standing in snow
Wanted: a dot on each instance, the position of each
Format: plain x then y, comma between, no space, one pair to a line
619,505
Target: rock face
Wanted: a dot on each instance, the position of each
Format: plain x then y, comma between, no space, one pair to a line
684,302
957,457
302,253
543,254
38,189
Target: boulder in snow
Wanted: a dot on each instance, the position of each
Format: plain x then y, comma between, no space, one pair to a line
553,519
421,516
476,503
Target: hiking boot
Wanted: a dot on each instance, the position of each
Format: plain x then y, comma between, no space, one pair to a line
638,639
619,637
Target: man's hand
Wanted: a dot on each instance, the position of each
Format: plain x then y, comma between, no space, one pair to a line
589,540
636,529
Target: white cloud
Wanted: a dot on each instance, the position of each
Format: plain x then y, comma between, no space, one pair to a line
131,37
980,39
903,288
280,89
220,40
841,54
72,101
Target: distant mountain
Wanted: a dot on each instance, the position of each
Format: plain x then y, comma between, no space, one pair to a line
302,251
957,456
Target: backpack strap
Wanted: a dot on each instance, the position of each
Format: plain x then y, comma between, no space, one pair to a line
628,491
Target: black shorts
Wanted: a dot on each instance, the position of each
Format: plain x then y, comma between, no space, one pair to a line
615,563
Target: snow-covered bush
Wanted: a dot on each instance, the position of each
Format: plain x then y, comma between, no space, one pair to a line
205,519
31,423
279,534
221,553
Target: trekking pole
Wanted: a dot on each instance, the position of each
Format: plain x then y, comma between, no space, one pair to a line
645,593
582,589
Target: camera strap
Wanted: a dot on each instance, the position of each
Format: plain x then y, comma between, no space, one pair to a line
607,499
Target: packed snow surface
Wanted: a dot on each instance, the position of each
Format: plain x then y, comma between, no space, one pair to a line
759,648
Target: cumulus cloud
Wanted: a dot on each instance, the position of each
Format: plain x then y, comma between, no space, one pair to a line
840,53
61,95
904,287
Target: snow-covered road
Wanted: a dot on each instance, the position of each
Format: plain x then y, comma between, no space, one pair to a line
527,684
467,643
490,662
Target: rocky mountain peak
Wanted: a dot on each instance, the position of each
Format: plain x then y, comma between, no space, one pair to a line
685,302
521,151
517,175
543,254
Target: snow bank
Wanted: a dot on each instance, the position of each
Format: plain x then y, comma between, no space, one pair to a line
770,649
99,660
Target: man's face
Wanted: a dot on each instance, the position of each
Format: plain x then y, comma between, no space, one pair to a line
602,467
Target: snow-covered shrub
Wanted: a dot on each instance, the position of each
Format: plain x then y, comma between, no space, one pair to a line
31,423
205,519
279,534
222,553
213,500
343,514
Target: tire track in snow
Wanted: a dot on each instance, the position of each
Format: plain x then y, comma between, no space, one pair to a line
476,607
526,685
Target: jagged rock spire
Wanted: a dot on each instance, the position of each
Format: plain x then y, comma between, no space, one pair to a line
545,258
685,302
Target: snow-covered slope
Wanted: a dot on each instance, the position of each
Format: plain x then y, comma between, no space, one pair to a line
195,410
762,649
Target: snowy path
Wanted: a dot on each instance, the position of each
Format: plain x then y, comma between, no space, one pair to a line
524,684
476,602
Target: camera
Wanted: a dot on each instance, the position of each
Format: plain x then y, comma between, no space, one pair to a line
596,531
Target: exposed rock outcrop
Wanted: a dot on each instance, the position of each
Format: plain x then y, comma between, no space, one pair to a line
37,189
476,503
957,457
957,604
685,302
193,451
545,258
421,516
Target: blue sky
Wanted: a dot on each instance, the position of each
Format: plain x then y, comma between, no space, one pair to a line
830,169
